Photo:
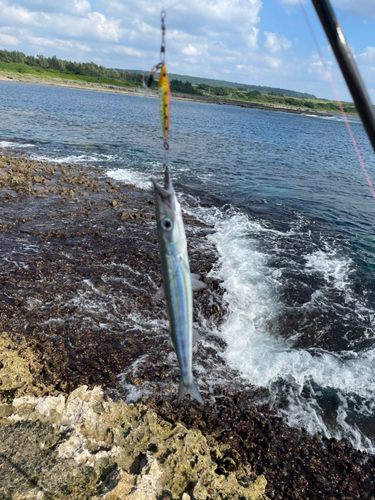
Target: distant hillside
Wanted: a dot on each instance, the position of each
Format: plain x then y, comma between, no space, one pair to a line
222,83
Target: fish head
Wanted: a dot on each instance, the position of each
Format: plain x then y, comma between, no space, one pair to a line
168,210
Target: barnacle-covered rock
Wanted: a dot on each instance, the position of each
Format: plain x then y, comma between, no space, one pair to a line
86,447
18,368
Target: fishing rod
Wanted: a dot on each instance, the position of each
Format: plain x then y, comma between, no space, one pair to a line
347,65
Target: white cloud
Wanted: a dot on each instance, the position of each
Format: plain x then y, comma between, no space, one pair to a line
274,42
208,38
54,43
79,7
368,54
13,14
273,62
129,51
84,48
8,39
251,38
244,11
190,50
92,25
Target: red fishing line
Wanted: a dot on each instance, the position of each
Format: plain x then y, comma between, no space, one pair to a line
344,116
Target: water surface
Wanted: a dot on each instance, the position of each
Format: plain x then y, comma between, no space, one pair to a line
294,231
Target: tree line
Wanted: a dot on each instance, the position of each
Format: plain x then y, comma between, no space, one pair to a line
69,67
126,78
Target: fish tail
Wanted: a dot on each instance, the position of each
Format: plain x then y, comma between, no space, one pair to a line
189,388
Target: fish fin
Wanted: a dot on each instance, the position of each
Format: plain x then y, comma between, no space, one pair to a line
170,342
159,294
191,389
196,284
196,336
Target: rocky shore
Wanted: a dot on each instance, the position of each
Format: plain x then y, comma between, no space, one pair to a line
29,78
81,339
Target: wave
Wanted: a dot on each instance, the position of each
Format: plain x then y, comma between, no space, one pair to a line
83,158
128,176
300,381
328,393
336,118
15,145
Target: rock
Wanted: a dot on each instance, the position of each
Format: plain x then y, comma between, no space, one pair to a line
5,410
88,448
18,367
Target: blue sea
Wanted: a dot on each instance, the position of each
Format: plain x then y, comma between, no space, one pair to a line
293,230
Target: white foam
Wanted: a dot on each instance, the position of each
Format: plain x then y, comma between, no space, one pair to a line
129,176
334,118
335,270
84,158
266,360
131,392
15,145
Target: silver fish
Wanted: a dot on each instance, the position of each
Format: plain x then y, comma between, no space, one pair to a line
178,283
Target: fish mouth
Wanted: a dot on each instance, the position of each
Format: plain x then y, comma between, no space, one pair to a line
166,193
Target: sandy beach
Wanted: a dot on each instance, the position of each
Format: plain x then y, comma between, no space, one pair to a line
79,261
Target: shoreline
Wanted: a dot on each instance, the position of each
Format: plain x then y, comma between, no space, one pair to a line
10,77
79,267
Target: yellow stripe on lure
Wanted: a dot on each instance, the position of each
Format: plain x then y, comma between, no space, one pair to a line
164,101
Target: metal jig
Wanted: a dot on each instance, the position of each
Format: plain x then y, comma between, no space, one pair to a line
163,86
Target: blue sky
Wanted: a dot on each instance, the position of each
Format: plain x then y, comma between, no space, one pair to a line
247,41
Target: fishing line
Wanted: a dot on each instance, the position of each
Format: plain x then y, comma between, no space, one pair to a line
335,93
173,5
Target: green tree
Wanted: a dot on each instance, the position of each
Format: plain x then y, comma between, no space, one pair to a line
254,94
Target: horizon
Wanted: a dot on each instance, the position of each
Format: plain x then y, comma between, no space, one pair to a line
248,42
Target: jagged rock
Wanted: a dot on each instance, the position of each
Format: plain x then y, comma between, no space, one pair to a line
18,366
88,448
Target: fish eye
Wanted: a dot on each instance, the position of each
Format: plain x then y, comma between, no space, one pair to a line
166,224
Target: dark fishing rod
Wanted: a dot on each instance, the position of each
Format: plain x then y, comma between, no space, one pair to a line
348,66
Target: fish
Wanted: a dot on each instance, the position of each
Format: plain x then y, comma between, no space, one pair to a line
178,282
164,101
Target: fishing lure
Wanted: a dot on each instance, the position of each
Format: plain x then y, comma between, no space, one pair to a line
163,86
164,103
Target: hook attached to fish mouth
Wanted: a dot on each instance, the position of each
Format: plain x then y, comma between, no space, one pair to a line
167,181
166,192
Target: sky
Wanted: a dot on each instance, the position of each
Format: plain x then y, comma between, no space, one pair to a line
246,41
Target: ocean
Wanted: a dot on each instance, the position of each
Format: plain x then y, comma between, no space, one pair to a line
293,230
